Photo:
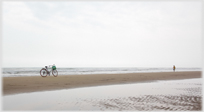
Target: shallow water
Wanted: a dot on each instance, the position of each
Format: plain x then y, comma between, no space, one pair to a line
162,95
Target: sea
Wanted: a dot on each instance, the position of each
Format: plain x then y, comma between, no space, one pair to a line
35,71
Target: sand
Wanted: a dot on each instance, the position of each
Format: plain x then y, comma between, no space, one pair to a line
15,85
164,95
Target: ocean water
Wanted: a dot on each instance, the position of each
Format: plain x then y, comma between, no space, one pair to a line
35,71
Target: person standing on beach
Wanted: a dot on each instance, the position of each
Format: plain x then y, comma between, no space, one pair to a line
174,68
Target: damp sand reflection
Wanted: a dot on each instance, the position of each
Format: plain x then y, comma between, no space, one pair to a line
175,95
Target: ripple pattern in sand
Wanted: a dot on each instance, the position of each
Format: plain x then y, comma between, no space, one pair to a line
185,98
149,102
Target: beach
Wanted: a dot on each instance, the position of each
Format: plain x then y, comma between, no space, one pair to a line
163,95
17,85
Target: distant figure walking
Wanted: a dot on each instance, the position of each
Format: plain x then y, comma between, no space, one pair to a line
174,68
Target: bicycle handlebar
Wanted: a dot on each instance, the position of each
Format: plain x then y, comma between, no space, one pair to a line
50,65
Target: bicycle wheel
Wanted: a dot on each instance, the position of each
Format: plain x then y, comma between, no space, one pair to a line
54,73
43,72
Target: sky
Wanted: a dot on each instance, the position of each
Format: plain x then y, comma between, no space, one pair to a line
102,33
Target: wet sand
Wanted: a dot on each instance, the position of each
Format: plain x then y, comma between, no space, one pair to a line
167,95
15,85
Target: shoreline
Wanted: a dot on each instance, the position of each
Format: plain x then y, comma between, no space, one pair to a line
99,73
16,85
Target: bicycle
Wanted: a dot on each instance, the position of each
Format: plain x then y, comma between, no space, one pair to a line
44,71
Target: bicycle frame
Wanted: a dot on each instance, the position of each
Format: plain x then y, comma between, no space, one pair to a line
48,70
49,67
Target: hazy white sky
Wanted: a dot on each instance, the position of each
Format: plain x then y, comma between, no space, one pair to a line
102,34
